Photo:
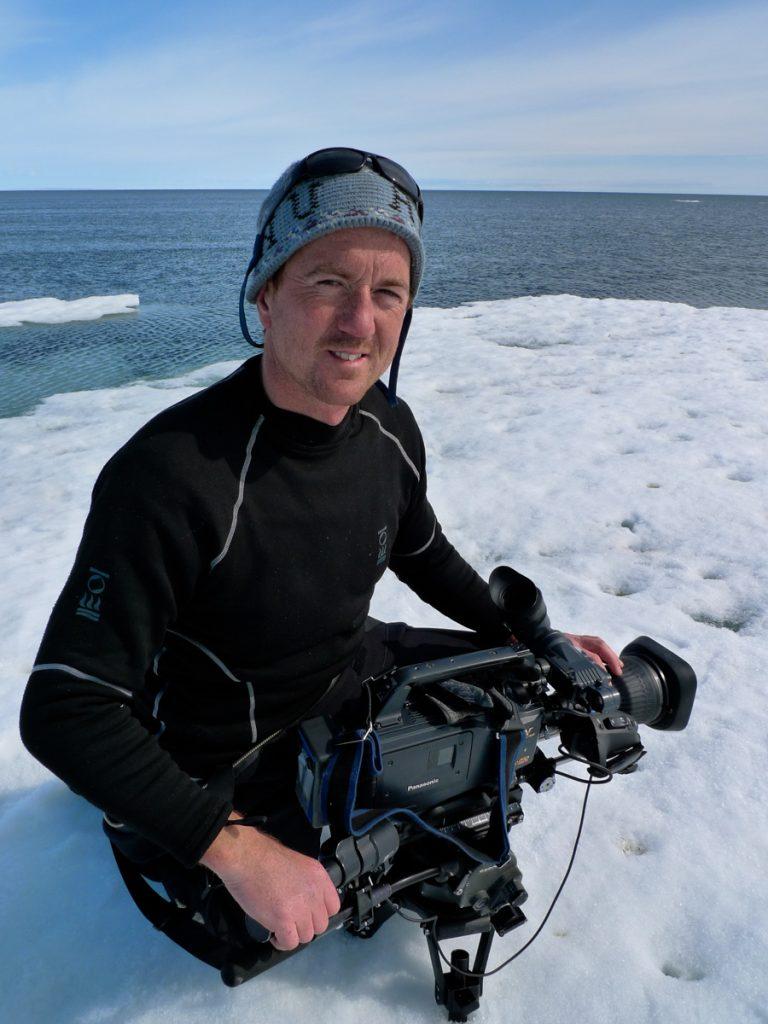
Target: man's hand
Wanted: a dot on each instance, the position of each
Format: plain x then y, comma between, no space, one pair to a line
288,893
598,651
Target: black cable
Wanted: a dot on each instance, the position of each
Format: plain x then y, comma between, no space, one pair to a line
505,963
584,782
421,876
414,920
592,765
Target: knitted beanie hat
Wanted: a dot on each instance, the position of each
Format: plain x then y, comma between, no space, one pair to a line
318,206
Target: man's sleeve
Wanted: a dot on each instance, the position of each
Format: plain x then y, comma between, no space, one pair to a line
137,563
424,559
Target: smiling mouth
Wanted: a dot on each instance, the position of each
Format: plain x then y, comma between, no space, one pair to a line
349,357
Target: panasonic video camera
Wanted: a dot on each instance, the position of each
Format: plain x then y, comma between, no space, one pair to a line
420,798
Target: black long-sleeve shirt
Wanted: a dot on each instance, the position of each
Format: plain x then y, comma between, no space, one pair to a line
223,578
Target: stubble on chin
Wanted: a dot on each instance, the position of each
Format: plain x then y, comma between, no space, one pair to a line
339,393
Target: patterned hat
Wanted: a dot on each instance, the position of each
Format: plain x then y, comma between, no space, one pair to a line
318,206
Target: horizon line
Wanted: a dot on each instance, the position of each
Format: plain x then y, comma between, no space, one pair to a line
437,188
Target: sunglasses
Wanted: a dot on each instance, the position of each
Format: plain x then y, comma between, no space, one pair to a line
338,160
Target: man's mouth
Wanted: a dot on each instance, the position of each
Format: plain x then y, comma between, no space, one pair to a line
348,357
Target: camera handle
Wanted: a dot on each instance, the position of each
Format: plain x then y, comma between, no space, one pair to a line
401,682
346,861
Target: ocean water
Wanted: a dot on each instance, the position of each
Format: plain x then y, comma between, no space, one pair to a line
183,253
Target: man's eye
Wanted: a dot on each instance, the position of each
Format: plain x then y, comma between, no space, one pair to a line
329,280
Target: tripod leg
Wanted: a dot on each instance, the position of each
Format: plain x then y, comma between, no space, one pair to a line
437,967
453,989
482,954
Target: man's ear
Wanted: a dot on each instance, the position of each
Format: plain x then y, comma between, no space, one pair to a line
264,305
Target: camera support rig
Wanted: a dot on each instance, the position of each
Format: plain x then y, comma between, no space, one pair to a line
352,864
442,785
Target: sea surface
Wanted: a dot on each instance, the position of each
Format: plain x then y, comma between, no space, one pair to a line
184,252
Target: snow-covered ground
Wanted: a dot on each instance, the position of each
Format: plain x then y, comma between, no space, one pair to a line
62,311
616,452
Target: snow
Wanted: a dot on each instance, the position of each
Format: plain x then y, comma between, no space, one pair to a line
614,451
62,311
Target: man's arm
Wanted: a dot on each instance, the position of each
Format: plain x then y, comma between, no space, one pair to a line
136,565
96,744
442,578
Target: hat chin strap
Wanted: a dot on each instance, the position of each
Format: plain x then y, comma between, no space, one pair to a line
241,306
391,389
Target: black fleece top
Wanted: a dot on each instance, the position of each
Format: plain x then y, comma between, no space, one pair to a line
223,579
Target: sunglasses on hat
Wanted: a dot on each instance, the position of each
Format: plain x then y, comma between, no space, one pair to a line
324,163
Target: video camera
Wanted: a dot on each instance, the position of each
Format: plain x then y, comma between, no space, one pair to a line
420,798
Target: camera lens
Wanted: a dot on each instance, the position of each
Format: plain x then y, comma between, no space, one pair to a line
657,688
641,689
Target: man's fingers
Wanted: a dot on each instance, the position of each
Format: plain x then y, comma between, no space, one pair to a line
593,657
319,921
293,896
609,657
285,938
332,901
313,921
598,651
615,664
306,930
302,932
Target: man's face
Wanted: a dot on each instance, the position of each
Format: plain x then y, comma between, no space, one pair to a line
332,322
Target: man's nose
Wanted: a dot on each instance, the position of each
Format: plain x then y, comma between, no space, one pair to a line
356,317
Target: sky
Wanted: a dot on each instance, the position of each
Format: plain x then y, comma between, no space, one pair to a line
593,95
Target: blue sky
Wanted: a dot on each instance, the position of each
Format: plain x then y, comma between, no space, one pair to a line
486,94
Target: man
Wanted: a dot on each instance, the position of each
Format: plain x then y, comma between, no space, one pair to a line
221,588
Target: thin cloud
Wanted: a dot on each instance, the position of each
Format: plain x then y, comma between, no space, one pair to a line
234,107
359,26
19,29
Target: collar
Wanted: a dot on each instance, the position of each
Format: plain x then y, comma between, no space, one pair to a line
292,431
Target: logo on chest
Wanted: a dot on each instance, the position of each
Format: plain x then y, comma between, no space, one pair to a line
383,539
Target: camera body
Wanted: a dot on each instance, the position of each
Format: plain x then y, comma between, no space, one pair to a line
436,727
458,733
433,754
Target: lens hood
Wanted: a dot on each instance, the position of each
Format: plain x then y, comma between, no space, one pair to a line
676,677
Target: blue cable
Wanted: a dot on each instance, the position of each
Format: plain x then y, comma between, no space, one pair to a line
350,812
